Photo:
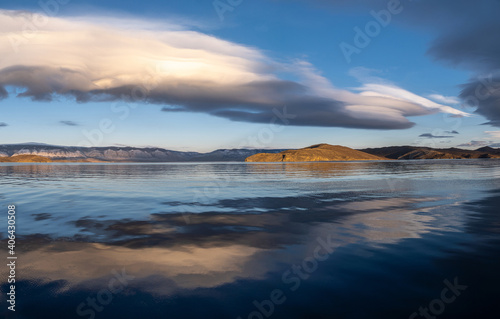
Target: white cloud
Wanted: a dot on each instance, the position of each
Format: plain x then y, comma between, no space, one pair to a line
105,59
387,90
444,99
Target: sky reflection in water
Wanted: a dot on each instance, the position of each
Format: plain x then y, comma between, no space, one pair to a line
206,240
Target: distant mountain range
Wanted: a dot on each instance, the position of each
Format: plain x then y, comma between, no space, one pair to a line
33,152
121,154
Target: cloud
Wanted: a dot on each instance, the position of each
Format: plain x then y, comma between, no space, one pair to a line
381,90
430,135
92,59
374,86
484,94
69,123
452,132
444,99
3,124
475,144
493,134
3,93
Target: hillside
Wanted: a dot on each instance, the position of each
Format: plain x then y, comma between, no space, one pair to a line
315,153
414,152
25,159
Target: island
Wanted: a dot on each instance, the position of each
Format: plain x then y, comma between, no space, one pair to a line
316,153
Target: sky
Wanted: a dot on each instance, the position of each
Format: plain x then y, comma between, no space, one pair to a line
203,75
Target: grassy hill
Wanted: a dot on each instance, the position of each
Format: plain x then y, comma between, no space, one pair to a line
315,153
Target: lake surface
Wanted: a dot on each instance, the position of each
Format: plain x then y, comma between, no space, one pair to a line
412,239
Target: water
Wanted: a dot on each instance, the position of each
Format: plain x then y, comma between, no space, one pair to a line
249,240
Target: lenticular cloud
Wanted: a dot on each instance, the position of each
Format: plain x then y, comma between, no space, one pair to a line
90,60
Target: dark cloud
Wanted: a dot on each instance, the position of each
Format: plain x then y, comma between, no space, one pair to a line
3,93
69,123
40,83
3,124
484,94
452,132
310,111
475,47
255,102
430,135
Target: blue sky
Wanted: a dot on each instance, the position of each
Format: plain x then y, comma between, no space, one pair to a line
276,53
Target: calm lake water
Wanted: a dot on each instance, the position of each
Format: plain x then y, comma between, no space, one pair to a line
412,239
